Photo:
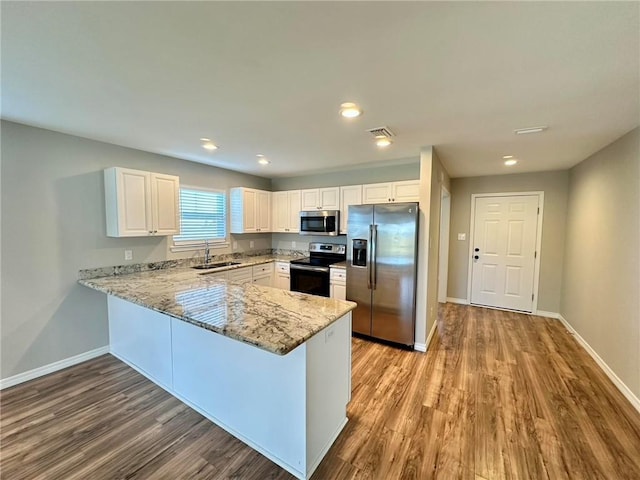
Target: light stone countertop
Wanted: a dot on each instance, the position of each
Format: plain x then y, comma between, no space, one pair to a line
342,265
270,318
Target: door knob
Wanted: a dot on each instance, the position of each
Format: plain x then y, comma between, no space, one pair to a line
476,257
476,249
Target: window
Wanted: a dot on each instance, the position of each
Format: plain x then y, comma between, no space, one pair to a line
203,216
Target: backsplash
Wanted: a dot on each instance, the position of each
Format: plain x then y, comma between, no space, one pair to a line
183,262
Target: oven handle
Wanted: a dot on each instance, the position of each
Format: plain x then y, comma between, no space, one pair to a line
313,269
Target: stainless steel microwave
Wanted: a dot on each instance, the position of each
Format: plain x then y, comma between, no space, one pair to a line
320,222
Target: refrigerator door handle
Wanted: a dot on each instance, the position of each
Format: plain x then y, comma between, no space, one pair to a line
374,254
369,257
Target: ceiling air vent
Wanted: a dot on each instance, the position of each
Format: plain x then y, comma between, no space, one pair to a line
381,132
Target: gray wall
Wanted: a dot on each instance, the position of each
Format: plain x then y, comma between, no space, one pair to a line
555,188
601,289
404,170
53,224
439,178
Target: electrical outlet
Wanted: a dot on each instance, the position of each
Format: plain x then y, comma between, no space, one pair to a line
293,244
250,243
462,236
128,254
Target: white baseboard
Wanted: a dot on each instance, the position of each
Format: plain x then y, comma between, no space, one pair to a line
461,301
422,347
52,367
635,401
542,313
434,327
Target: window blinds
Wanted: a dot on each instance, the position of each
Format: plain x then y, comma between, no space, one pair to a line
203,215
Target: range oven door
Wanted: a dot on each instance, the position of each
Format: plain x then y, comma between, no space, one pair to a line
308,279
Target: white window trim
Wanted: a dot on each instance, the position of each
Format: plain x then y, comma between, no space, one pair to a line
186,246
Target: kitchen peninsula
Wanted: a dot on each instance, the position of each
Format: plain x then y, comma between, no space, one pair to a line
271,367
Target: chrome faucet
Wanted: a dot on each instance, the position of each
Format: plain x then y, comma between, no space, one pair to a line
207,254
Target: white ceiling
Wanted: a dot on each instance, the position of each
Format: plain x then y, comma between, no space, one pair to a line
268,77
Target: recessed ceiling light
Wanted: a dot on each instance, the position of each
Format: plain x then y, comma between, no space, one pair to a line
383,141
511,162
507,157
263,161
524,131
207,144
350,110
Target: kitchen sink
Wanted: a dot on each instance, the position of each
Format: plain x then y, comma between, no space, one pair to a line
215,265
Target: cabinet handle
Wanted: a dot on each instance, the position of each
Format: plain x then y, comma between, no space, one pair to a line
388,199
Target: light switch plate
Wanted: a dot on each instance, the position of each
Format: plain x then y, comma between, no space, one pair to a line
250,243
462,236
128,254
235,245
293,245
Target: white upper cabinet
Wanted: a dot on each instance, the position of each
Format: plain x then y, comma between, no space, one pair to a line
349,195
263,211
139,204
250,210
405,191
285,216
320,199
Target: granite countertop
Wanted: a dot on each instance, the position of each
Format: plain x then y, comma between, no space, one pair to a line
270,318
342,265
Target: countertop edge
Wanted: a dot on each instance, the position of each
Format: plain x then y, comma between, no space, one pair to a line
349,306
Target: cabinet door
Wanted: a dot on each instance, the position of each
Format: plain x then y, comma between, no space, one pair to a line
280,211
165,203
377,193
330,198
282,281
263,211
240,275
128,202
249,214
310,199
407,191
265,280
350,195
338,292
294,211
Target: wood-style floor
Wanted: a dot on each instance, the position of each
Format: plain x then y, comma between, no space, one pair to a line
498,396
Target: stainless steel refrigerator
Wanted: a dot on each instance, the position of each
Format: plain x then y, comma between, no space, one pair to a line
382,248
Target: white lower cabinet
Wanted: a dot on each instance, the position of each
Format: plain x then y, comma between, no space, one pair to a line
220,275
240,275
263,274
282,279
338,283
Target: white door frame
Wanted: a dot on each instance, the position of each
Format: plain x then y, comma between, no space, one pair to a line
536,265
443,254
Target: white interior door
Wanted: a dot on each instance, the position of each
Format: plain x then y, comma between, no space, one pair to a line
504,251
